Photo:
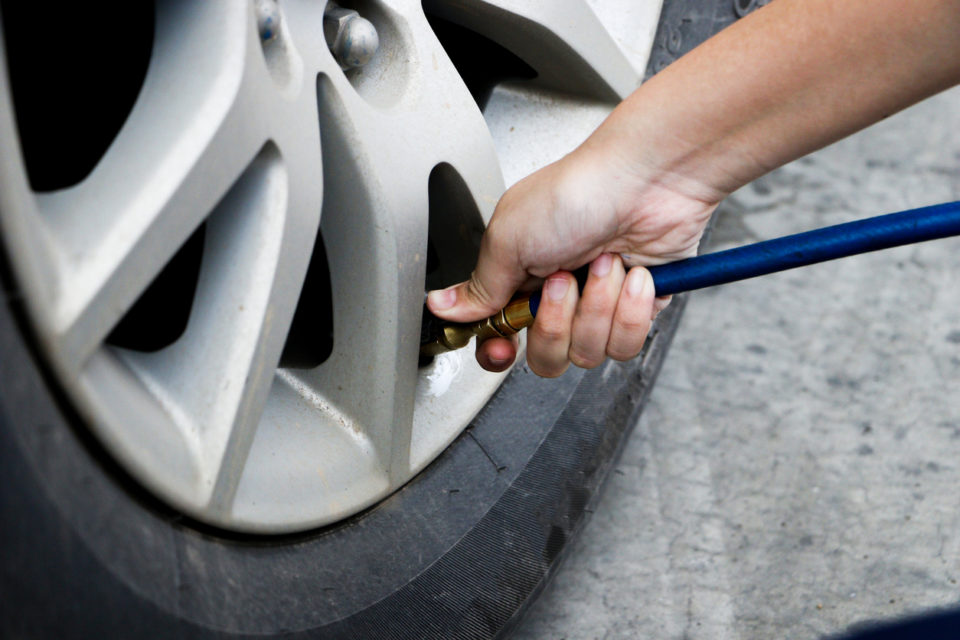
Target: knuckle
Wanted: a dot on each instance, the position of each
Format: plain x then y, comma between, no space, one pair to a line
497,239
596,306
493,235
552,332
621,353
634,327
547,362
477,292
547,370
584,361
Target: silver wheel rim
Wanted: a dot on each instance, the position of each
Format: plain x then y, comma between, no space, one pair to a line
259,140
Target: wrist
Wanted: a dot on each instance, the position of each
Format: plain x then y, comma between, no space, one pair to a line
645,155
650,145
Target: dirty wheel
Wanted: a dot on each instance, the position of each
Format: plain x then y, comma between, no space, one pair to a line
218,224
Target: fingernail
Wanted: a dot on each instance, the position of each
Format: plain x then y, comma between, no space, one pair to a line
556,288
636,281
498,362
442,299
601,266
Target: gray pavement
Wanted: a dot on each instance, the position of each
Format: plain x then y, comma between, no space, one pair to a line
797,469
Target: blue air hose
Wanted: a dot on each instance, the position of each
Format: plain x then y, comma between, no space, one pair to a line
801,249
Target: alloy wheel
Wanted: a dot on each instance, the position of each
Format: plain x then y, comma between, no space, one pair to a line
232,295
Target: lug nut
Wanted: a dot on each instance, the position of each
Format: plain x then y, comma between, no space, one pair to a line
268,19
352,39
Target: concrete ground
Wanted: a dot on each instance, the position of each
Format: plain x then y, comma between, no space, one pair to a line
797,469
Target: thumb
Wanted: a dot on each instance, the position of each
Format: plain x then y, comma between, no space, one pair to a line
489,289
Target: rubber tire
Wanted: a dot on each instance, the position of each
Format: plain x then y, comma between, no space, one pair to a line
460,552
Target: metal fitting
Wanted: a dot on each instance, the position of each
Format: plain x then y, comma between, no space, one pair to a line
352,39
268,19
512,319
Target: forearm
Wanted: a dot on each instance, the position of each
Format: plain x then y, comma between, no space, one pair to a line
790,78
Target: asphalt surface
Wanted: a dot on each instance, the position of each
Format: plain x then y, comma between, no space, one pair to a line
797,470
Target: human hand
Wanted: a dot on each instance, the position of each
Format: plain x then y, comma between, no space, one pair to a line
586,208
643,186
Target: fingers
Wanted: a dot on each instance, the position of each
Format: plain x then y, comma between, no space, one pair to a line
548,340
611,317
497,354
633,316
594,315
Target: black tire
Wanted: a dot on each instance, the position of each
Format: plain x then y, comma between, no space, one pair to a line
458,553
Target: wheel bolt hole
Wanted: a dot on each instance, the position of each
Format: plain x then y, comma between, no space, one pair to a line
278,50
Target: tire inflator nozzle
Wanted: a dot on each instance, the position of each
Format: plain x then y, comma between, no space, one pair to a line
438,336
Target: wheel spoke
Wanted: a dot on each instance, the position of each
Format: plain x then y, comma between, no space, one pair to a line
375,228
563,40
219,372
187,140
373,205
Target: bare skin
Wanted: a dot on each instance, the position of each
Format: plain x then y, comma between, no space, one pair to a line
788,79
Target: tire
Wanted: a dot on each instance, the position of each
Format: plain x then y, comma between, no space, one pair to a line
459,552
